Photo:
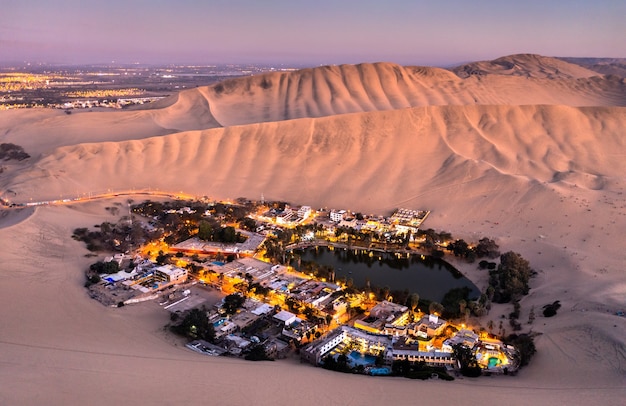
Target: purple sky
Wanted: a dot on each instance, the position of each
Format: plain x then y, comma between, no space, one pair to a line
306,32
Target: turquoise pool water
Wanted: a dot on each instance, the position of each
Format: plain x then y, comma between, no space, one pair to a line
356,358
380,371
493,362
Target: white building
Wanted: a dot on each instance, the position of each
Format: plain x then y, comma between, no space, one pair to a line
466,337
314,352
170,274
337,216
286,317
304,212
433,358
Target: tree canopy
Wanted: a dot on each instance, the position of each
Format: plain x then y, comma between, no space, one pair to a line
454,302
105,267
196,325
510,279
232,303
258,353
469,365
208,232
525,346
487,248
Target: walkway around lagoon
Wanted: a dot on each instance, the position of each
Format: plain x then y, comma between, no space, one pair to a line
371,248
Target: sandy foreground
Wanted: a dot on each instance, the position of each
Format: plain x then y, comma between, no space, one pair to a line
60,347
546,180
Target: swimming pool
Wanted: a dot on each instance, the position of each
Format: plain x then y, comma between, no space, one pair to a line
356,358
380,371
493,362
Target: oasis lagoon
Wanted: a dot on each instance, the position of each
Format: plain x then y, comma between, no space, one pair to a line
429,277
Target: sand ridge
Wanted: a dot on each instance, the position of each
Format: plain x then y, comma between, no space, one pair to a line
536,162
527,65
333,90
408,152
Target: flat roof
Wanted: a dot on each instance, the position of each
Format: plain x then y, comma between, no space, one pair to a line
284,316
171,270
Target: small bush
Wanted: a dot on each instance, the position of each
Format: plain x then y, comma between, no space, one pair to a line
550,310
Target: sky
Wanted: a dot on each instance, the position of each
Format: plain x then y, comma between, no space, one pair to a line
306,33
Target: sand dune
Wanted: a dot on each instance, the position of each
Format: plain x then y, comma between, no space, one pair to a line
604,66
535,160
487,164
42,129
408,152
317,92
527,65
332,90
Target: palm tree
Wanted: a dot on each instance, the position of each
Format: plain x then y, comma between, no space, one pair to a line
414,300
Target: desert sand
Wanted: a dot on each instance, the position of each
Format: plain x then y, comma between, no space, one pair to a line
535,161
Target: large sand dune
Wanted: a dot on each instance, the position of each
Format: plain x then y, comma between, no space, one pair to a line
536,161
332,90
317,92
526,65
325,161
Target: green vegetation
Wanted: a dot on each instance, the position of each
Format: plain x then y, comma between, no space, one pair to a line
181,220
92,279
550,310
460,248
176,221
163,258
465,357
228,234
525,346
114,237
435,307
195,325
487,265
455,302
340,364
258,353
431,238
487,248
258,289
246,223
105,267
10,151
232,303
418,370
510,280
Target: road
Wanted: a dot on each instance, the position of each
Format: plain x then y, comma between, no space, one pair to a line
7,204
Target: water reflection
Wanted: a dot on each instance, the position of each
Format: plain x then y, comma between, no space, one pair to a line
430,277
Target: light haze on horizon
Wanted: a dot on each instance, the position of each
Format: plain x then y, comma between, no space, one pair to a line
306,33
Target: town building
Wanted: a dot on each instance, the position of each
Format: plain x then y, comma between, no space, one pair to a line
304,212
337,215
465,337
285,317
428,326
170,274
196,246
317,350
407,221
404,349
383,314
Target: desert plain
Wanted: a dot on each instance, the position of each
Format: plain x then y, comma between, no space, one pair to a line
527,150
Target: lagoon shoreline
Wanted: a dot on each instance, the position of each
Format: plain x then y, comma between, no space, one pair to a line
62,342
